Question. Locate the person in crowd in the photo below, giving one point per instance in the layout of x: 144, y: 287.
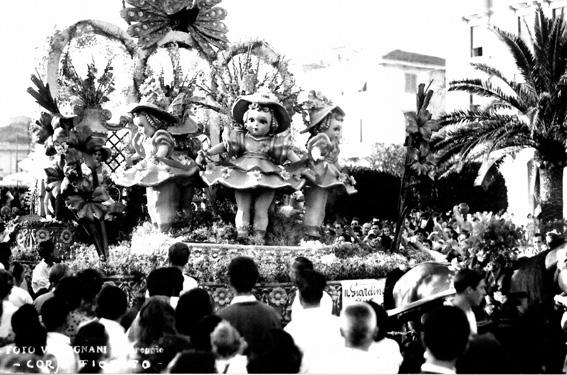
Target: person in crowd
x: 358, y: 329
x: 69, y: 291
x: 386, y: 239
x: 471, y: 290
x: 249, y: 316
x: 315, y: 330
x: 178, y: 256
x: 193, y: 362
x: 40, y: 273
x: 111, y: 304
x: 54, y: 314
x: 298, y: 267
x: 18, y: 296
x: 7, y: 309
x: 29, y: 334
x: 157, y: 330
x: 192, y: 307
x: 228, y: 346
x: 385, y: 348
x: 201, y: 336
x: 278, y: 355
x: 90, y: 337
x: 56, y: 274
x: 166, y: 282
x: 445, y: 336
x: 365, y: 229
x: 91, y: 281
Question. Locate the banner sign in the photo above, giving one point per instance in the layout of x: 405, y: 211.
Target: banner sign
x: 363, y: 290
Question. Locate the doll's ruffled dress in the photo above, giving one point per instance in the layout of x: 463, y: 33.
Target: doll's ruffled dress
x: 153, y: 171
x: 327, y: 174
x: 256, y: 163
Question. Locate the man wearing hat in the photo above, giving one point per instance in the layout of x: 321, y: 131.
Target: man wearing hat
x: 324, y: 123
x: 157, y: 170
x: 261, y: 145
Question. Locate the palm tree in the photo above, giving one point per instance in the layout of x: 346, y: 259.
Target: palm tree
x: 528, y: 114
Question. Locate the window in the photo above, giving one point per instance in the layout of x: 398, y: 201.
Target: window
x: 477, y: 40
x: 411, y: 82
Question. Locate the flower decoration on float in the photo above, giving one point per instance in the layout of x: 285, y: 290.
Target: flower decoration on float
x: 191, y: 23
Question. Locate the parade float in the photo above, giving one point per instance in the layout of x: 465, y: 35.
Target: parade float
x: 116, y: 192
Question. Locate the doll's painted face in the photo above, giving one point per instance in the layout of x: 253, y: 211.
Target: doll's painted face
x: 335, y: 127
x: 143, y: 125
x: 258, y: 122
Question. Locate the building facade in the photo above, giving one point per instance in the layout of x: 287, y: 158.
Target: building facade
x: 375, y: 91
x: 480, y: 45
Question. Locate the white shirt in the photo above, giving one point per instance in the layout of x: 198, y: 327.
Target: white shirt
x: 388, y: 352
x: 436, y: 369
x: 118, y: 344
x: 188, y: 284
x: 347, y: 361
x: 40, y: 276
x: 316, y: 332
x: 243, y: 299
x: 326, y: 304
x: 19, y: 297
x: 234, y: 365
x: 8, y: 309
x: 59, y: 346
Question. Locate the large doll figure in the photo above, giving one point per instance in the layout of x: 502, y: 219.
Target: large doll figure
x: 325, y: 126
x: 157, y: 169
x: 260, y: 148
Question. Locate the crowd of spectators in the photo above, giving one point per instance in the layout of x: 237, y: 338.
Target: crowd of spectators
x: 64, y: 322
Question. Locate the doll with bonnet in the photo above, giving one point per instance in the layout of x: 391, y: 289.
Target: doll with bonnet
x: 258, y: 147
x: 156, y: 169
x: 324, y: 124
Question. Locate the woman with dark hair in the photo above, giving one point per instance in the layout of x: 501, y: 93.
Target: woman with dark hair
x: 89, y: 339
x: 30, y: 335
x: 157, y: 330
x: 192, y: 307
x: 279, y: 354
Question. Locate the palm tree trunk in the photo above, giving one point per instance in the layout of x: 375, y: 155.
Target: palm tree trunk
x: 551, y: 194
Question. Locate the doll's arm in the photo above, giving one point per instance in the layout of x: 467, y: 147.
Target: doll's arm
x: 292, y: 156
x: 216, y: 149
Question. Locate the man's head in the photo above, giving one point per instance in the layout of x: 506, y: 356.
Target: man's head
x: 54, y: 314
x: 470, y: 284
x: 537, y: 240
x: 165, y: 281
x: 445, y: 333
x: 57, y: 272
x: 91, y: 283
x: 311, y: 285
x: 179, y: 254
x: 358, y: 325
x: 243, y: 274
x: 46, y: 251
x: 298, y: 266
x: 111, y: 303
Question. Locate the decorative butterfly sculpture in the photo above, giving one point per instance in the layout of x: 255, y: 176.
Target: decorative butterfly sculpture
x: 152, y: 20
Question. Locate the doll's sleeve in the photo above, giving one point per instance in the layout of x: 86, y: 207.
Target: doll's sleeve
x: 279, y: 146
x: 163, y: 138
x: 234, y: 142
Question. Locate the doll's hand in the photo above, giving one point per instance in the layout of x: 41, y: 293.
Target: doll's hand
x: 201, y: 159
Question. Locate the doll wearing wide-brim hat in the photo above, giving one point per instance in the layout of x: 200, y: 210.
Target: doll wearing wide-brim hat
x: 157, y: 170
x: 256, y: 168
x: 324, y: 154
x: 258, y: 160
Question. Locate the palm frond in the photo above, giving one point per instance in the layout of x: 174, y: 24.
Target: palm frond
x: 485, y: 89
x: 520, y: 51
x: 42, y: 95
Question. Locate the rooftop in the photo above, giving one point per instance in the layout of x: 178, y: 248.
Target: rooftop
x: 412, y: 57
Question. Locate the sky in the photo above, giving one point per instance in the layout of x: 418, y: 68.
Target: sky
x: 302, y: 30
